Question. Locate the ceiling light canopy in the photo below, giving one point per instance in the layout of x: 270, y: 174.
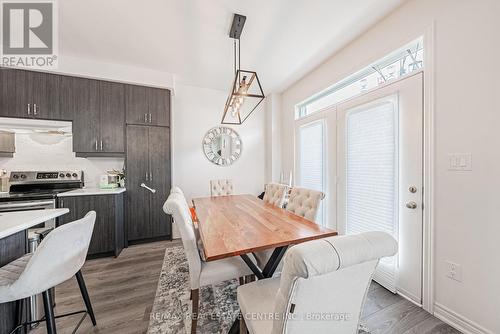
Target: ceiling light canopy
x: 246, y: 91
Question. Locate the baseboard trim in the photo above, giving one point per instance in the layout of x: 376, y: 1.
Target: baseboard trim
x: 458, y: 321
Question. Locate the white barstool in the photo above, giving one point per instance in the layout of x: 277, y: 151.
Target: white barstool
x: 60, y: 256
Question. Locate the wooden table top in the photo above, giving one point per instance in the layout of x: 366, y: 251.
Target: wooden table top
x: 240, y: 224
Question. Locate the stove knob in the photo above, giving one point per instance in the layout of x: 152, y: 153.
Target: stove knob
x: 61, y: 175
x: 68, y: 175
x: 23, y: 176
x: 75, y: 175
x: 15, y: 176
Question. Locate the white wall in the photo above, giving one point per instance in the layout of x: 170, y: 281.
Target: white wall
x: 33, y: 154
x: 467, y: 115
x: 195, y: 111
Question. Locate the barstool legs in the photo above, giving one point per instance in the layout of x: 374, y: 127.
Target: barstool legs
x: 49, y: 312
x: 85, y: 295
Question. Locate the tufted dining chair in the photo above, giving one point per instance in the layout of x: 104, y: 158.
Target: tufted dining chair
x: 201, y: 273
x: 305, y: 202
x: 325, y: 278
x: 302, y: 202
x: 275, y: 194
x: 221, y: 187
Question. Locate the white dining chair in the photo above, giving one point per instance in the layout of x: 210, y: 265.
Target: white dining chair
x: 201, y: 273
x: 305, y: 202
x: 221, y: 187
x: 275, y: 194
x: 322, y: 287
x: 60, y: 256
x: 302, y: 202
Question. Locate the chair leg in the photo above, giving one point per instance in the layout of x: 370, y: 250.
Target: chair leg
x: 243, y: 326
x: 85, y: 296
x: 195, y: 294
x: 49, y: 312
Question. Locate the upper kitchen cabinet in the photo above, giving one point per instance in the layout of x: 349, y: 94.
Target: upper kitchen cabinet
x: 98, y: 113
x: 112, y: 112
x: 147, y: 106
x: 28, y: 94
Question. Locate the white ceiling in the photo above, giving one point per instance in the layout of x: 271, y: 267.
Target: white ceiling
x: 282, y: 39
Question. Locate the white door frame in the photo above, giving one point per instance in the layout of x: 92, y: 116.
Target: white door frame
x: 428, y: 165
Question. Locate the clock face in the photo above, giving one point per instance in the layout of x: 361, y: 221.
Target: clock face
x: 222, y: 146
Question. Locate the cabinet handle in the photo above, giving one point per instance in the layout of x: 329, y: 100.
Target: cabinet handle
x: 96, y: 144
x: 150, y: 118
x: 150, y: 176
x: 101, y: 145
x: 145, y: 118
x: 62, y: 203
x: 34, y: 109
x: 147, y: 176
x: 29, y: 109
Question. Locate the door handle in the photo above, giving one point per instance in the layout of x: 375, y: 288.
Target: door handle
x: 411, y: 205
x: 29, y: 109
x: 101, y: 145
x: 34, y: 109
x: 145, y: 118
x: 146, y: 187
x: 150, y: 118
x: 96, y: 145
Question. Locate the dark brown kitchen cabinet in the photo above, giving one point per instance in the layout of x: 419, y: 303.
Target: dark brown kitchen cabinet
x: 28, y: 94
x: 147, y: 106
x: 98, y: 114
x: 80, y: 100
x: 11, y: 248
x: 108, y: 235
x: 148, y: 163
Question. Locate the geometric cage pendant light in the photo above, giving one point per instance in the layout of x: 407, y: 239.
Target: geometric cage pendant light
x: 246, y: 91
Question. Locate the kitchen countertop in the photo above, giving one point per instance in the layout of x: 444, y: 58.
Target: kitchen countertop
x: 13, y: 222
x: 91, y: 191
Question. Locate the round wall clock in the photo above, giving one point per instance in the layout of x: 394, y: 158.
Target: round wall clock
x: 222, y: 145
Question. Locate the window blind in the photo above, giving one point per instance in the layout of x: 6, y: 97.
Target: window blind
x: 312, y: 162
x: 372, y: 177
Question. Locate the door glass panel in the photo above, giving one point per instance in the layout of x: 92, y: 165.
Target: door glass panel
x: 312, y: 160
x: 372, y: 175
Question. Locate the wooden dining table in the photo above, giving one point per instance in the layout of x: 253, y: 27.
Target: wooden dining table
x: 237, y: 225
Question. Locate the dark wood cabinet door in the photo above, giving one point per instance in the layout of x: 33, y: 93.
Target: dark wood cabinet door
x: 44, y: 95
x: 103, y: 237
x: 80, y: 98
x: 138, y: 198
x: 15, y: 94
x: 159, y: 106
x: 136, y: 104
x: 112, y: 105
x: 159, y: 157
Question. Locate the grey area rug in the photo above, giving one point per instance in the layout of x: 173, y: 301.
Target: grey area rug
x: 172, y: 307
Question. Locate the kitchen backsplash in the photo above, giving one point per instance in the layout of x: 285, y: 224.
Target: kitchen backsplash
x: 52, y: 151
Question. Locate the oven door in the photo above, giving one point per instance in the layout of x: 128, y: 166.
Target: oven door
x: 42, y: 204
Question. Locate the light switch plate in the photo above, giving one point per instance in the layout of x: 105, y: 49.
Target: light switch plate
x: 460, y: 161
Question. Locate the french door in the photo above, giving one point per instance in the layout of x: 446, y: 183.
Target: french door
x: 379, y: 176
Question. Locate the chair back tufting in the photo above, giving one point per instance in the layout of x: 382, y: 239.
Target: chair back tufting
x: 275, y: 194
x: 221, y: 187
x: 324, y: 282
x: 305, y: 202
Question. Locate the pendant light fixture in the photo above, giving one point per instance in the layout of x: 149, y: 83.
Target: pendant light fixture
x: 246, y: 92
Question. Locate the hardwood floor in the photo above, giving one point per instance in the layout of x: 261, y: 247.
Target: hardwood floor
x: 122, y: 291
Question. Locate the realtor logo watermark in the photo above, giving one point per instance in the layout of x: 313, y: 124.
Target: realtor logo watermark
x: 29, y: 34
